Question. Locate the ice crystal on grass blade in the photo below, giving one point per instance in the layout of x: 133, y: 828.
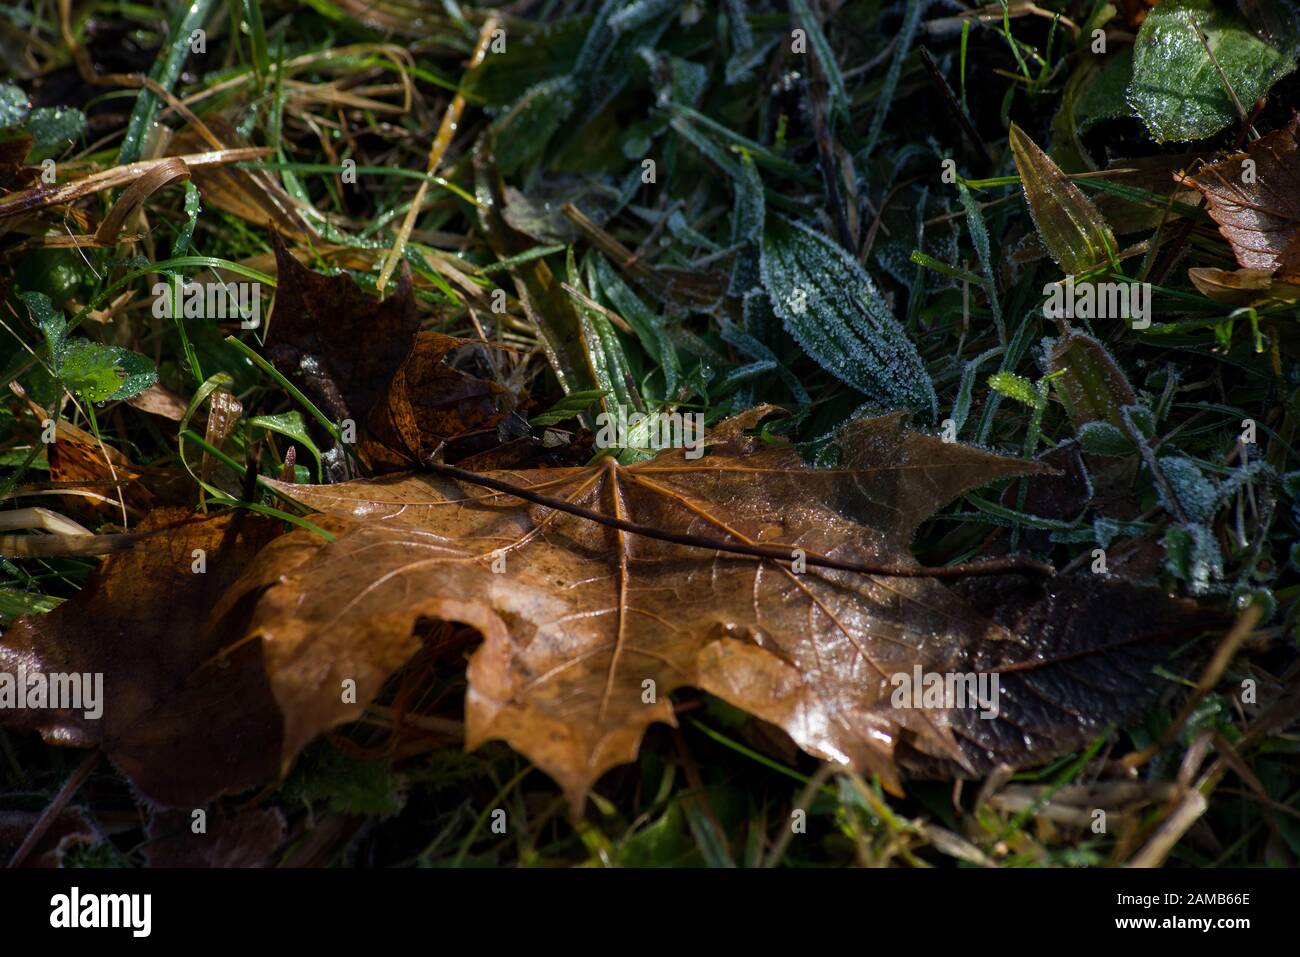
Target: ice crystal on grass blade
x: 831, y: 306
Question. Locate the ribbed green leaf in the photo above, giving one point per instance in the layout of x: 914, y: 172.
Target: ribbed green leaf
x: 830, y: 305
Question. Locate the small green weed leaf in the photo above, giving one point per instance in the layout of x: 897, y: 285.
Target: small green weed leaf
x: 571, y: 406
x: 14, y: 105
x: 99, y: 373
x: 1014, y: 387
x: 291, y: 425
x: 54, y: 129
x: 1102, y: 438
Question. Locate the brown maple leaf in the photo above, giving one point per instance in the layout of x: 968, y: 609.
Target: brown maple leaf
x: 587, y: 628
x: 591, y: 618
x: 1255, y: 198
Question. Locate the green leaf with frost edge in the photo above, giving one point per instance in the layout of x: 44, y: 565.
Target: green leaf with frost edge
x: 833, y: 309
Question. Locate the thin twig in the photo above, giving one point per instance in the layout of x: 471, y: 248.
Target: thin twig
x: 954, y: 107
x: 55, y: 807
x: 1209, y: 678
x: 786, y: 553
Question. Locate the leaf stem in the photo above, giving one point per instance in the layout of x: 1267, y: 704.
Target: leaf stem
x: 994, y: 566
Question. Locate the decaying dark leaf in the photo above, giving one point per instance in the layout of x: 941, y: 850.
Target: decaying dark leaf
x: 247, y: 838
x: 70, y: 829
x: 1255, y: 198
x: 364, y: 360
x: 429, y: 401
x: 1060, y: 495
x: 337, y: 344
x: 14, y: 146
x: 1083, y: 660
x: 183, y: 724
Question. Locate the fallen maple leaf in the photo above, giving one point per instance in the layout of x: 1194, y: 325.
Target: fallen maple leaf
x: 1255, y: 198
x: 588, y: 628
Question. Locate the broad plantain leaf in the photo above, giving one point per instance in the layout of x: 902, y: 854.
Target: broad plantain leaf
x: 831, y: 306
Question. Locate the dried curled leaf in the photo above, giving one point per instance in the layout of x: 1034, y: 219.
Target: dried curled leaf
x: 1075, y: 234
x: 429, y: 401
x: 1242, y: 287
x: 1255, y: 198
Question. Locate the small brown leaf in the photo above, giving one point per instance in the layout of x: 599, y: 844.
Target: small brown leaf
x: 428, y: 402
x: 1255, y: 198
x: 1242, y: 287
x: 362, y: 359
x: 14, y: 146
